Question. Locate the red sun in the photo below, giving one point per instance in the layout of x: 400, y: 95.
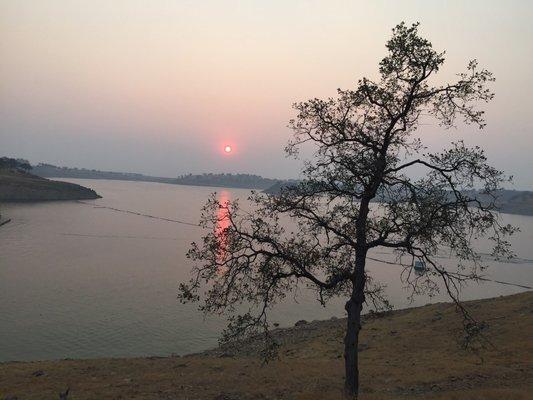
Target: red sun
x: 227, y: 148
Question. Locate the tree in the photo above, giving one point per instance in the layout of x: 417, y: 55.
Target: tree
x: 357, y: 195
x: 12, y: 163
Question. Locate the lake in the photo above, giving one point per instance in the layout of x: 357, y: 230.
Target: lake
x: 85, y: 280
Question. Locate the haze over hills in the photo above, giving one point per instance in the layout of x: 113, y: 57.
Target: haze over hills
x: 509, y: 201
x: 323, y: 188
x: 243, y: 181
x: 53, y: 171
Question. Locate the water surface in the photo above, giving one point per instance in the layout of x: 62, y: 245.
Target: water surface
x: 81, y: 280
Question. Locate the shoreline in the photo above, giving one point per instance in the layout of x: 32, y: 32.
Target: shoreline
x: 528, y: 214
x: 280, y: 332
x: 18, y: 186
x: 407, y: 353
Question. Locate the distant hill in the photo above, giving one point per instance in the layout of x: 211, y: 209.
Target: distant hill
x: 243, y: 181
x: 277, y: 187
x: 14, y: 163
x: 17, y: 185
x: 516, y: 202
x: 508, y: 201
x: 52, y: 171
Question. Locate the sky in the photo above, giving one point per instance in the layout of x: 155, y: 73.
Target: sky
x: 160, y: 87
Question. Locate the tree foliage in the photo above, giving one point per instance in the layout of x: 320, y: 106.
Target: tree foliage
x: 15, y: 163
x: 358, y: 194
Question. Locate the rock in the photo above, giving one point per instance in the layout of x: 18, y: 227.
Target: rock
x: 301, y: 322
x: 437, y: 317
x: 363, y: 347
x: 224, y: 396
x: 64, y: 395
x: 435, y: 388
x: 39, y: 372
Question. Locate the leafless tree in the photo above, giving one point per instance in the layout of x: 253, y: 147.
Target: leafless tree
x: 357, y: 194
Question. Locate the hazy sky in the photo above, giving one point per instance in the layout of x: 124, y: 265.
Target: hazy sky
x: 159, y: 87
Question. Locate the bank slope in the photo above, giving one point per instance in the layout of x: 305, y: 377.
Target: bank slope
x: 406, y: 354
x: 20, y: 186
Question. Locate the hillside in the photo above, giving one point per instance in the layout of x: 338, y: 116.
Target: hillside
x: 242, y: 181
x: 406, y: 354
x: 508, y: 201
x: 20, y: 186
x: 517, y: 202
x: 277, y: 187
x: 52, y: 171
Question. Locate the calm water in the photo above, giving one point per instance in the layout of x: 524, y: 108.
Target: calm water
x: 80, y: 281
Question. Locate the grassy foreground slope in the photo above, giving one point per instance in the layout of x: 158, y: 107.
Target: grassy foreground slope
x: 20, y: 186
x: 405, y: 354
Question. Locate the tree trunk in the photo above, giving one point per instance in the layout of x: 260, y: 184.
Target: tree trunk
x: 355, y: 304
x: 351, y: 341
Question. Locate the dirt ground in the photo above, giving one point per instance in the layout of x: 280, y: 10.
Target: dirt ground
x: 405, y: 354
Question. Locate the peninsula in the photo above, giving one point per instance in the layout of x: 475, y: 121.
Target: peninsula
x: 17, y: 185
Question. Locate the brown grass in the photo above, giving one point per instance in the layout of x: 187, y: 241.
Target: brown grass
x: 407, y: 354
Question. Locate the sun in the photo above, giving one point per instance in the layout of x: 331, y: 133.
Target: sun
x: 227, y: 148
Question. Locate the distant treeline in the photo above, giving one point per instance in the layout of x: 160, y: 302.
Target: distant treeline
x: 507, y: 201
x: 245, y: 181
x: 514, y: 202
x: 52, y: 171
x: 15, y: 163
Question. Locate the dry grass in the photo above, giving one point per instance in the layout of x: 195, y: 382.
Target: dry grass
x: 407, y: 354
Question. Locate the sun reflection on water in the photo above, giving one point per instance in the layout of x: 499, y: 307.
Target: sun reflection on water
x: 221, y: 227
